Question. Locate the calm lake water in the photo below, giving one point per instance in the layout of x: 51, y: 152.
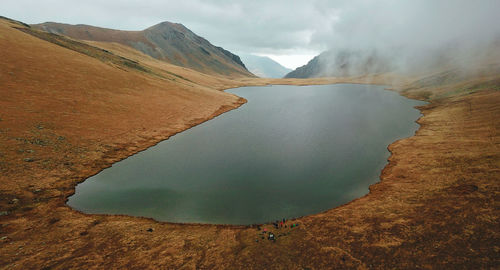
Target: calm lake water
x: 290, y: 151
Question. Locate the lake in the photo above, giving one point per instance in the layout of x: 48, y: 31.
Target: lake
x: 290, y: 151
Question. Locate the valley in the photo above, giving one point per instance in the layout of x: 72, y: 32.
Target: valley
x: 71, y: 108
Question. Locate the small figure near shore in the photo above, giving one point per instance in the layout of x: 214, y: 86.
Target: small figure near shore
x: 275, y: 224
x: 271, y: 237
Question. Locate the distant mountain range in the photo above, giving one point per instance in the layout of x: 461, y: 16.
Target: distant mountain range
x: 263, y: 66
x: 408, y: 61
x: 343, y: 63
x: 170, y: 42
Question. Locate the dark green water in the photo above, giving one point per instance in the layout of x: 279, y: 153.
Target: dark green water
x: 290, y: 151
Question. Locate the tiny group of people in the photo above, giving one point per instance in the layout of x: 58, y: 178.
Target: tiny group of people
x: 270, y: 235
x: 280, y: 224
x: 277, y: 225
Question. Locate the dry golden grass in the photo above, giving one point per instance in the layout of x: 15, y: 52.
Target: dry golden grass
x: 65, y: 116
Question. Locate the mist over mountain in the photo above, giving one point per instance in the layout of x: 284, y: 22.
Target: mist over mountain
x: 343, y: 63
x: 406, y: 37
x: 404, y: 61
x: 170, y: 42
x: 263, y: 66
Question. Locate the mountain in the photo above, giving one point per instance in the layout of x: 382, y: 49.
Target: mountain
x: 406, y: 61
x: 264, y: 66
x: 169, y: 42
x: 343, y: 63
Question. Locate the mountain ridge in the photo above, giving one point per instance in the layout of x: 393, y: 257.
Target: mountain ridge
x: 264, y: 66
x: 343, y: 63
x: 409, y: 62
x: 170, y: 42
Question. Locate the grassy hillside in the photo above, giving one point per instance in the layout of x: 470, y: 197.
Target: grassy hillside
x: 54, y: 87
x: 166, y: 41
x: 71, y: 108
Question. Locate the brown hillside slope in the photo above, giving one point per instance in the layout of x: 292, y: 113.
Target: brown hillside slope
x: 189, y: 77
x: 192, y: 78
x: 169, y: 42
x: 65, y: 115
x: 53, y: 97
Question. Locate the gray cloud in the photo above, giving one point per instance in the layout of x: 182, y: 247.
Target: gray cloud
x: 263, y: 26
x: 414, y: 23
x: 419, y: 35
x: 284, y: 26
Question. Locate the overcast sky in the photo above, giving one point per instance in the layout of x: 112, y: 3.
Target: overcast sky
x: 291, y: 32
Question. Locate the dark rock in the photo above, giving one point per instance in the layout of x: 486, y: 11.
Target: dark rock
x: 231, y: 56
x: 150, y: 230
x: 14, y: 201
x: 463, y: 189
x: 39, y: 142
x: 53, y: 220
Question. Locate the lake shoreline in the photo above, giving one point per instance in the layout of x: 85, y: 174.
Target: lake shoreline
x: 274, y: 121
x: 350, y: 235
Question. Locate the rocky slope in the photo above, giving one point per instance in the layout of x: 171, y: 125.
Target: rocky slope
x: 170, y: 42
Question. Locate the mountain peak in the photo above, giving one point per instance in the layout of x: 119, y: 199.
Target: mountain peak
x: 166, y: 41
x: 170, y: 25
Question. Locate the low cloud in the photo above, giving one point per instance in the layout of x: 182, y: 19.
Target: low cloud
x: 283, y: 27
